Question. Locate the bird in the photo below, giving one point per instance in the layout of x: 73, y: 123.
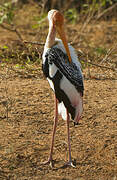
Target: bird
x: 63, y: 71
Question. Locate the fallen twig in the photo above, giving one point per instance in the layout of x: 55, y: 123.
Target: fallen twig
x: 18, y: 34
x: 94, y: 64
x: 36, y: 43
x: 13, y: 29
x: 88, y: 19
x: 106, y: 67
x: 108, y: 53
x: 106, y: 10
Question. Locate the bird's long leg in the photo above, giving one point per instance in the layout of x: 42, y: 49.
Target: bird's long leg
x: 53, y: 134
x: 54, y: 128
x: 69, y: 145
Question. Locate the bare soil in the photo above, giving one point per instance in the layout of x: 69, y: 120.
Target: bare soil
x: 27, y: 113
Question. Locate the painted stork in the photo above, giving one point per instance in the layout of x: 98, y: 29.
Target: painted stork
x: 63, y: 71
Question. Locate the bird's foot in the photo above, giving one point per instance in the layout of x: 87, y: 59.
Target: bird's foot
x: 49, y: 161
x: 70, y: 163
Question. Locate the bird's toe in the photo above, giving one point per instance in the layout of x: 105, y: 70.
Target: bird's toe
x: 70, y: 163
x: 48, y: 162
x: 76, y: 123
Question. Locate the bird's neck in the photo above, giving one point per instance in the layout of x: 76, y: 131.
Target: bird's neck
x: 50, y: 41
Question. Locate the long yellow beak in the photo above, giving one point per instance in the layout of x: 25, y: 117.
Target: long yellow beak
x: 61, y: 33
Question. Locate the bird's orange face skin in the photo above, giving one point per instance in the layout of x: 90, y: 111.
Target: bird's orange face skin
x: 58, y: 21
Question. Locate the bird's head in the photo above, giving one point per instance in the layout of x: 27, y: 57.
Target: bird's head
x: 56, y: 17
x: 57, y: 20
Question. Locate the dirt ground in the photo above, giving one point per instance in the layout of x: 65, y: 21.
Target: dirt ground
x: 26, y: 134
x: 27, y: 113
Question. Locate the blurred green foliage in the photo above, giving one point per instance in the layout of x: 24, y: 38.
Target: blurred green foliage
x: 6, y: 13
x: 40, y: 20
x: 72, y: 15
x: 100, y: 51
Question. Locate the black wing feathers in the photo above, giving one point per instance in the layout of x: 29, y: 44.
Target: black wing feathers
x: 69, y: 70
